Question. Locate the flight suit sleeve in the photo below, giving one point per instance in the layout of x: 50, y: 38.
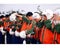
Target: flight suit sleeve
x: 31, y: 31
x: 57, y: 28
x: 25, y: 19
x: 48, y: 24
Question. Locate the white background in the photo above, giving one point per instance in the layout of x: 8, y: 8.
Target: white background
x: 30, y: 2
x: 27, y: 7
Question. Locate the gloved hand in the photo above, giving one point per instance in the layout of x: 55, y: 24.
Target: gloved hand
x: 22, y: 34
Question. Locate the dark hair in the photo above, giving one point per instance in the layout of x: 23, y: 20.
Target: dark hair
x: 29, y: 14
x: 13, y: 12
x: 1, y: 16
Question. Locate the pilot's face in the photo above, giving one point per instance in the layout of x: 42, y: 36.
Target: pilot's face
x: 44, y: 17
x: 30, y: 17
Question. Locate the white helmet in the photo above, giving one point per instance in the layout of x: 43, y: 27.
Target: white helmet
x: 22, y: 11
x: 13, y: 17
x: 48, y: 13
x: 36, y: 16
x: 57, y: 12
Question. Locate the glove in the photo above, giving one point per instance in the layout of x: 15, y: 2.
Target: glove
x: 16, y: 33
x: 22, y: 34
x: 2, y: 31
x: 11, y: 32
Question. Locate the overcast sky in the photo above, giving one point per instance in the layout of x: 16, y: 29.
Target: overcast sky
x: 27, y: 7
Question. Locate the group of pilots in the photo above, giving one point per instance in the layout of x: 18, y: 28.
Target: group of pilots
x: 30, y: 28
